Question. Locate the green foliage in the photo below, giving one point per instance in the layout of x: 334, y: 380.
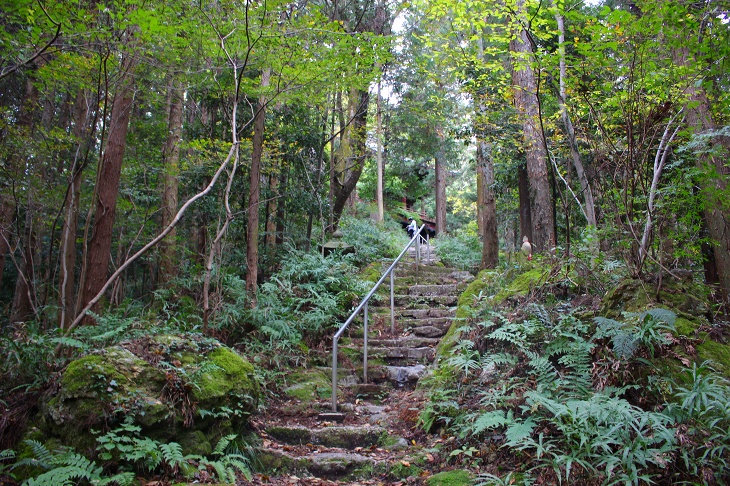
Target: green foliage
x: 67, y: 468
x: 372, y: 242
x: 308, y: 296
x: 462, y: 251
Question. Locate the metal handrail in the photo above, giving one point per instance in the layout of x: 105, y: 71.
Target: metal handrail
x: 364, y: 305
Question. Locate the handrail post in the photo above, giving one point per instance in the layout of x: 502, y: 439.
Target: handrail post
x: 334, y: 374
x: 392, y: 301
x: 365, y: 345
x: 428, y: 248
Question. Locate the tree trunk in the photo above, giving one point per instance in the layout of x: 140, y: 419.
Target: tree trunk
x: 585, y: 187
x: 440, y: 180
x: 487, y: 200
x: 523, y: 186
x: 717, y: 211
x: 379, y: 145
x: 272, y: 204
x: 352, y: 154
x: 171, y: 167
x: 99, y: 255
x: 526, y: 103
x: 252, y: 235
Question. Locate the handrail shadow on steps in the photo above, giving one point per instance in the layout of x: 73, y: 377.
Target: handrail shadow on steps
x: 364, y: 305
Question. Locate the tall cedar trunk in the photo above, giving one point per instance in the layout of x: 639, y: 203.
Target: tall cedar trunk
x: 526, y: 103
x: 523, y: 187
x: 440, y: 170
x: 171, y: 167
x: 22, y: 306
x: 354, y: 146
x: 252, y: 235
x: 107, y: 190
x: 485, y: 186
x: 717, y: 211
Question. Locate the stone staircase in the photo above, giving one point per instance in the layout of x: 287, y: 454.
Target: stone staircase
x: 373, y: 439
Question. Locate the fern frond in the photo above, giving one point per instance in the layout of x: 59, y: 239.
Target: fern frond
x: 172, y: 454
x: 663, y: 315
x: 220, y: 447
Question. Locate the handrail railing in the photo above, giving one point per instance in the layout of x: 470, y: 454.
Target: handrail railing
x: 364, y: 305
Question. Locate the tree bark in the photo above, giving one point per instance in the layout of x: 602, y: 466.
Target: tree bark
x: 171, y: 167
x: 351, y: 156
x: 252, y: 235
x: 107, y: 191
x: 526, y: 103
x: 379, y: 144
x: 487, y: 200
x: 440, y: 181
x: 523, y: 187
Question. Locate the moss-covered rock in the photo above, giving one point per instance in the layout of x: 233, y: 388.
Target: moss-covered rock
x: 452, y: 478
x: 523, y: 284
x: 185, y: 389
x: 633, y: 295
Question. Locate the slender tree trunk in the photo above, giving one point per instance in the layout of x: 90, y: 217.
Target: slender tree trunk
x: 7, y: 209
x: 526, y: 103
x: 585, y: 187
x: 271, y: 207
x: 252, y: 236
x: 100, y: 244
x: 171, y: 166
x: 440, y: 176
x: 379, y: 144
x: 280, y: 211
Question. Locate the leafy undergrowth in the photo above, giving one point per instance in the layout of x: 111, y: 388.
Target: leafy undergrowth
x: 539, y: 389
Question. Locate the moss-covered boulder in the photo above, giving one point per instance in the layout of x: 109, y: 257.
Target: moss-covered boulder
x: 187, y: 389
x: 633, y: 295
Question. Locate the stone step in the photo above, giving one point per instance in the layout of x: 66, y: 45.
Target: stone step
x: 399, y: 342
x: 336, y: 466
x: 431, y: 331
x: 342, y: 437
x: 418, y: 301
x: 399, y: 355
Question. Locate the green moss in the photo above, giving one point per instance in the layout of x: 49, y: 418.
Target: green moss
x: 90, y: 375
x: 195, y: 442
x: 685, y: 327
x: 371, y: 273
x: 716, y: 352
x: 483, y: 281
x: 404, y: 469
x: 232, y: 373
x: 451, y: 478
x: 523, y: 284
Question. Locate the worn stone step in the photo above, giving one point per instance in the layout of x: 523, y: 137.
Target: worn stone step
x: 432, y: 332
x: 336, y: 466
x: 390, y: 354
x: 342, y: 437
x: 433, y: 290
x: 400, y: 342
x: 419, y: 301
